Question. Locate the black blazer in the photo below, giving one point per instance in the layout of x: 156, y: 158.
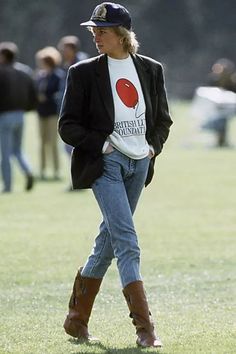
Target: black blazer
x: 87, y: 114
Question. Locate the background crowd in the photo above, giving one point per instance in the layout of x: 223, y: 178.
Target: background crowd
x: 41, y: 89
x: 23, y: 89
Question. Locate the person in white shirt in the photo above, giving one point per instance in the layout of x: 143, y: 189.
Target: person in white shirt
x: 115, y: 114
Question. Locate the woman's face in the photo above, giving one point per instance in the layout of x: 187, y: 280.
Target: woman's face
x: 108, y: 42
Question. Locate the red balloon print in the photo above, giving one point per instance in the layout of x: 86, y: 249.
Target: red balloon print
x: 127, y: 92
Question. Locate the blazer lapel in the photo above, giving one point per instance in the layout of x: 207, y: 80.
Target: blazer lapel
x: 103, y: 82
x: 145, y: 81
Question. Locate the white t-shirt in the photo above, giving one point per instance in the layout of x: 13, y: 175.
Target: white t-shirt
x: 130, y: 122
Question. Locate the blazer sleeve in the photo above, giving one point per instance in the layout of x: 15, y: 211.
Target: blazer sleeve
x: 162, y: 118
x: 73, y: 125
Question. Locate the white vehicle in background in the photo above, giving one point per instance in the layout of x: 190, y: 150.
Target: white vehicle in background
x: 212, y: 108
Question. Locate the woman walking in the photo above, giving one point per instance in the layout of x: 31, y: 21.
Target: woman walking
x: 115, y: 114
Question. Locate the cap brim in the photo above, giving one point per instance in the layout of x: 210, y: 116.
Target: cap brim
x: 99, y: 24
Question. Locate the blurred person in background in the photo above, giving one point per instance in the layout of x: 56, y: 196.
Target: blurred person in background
x: 48, y: 80
x: 17, y: 95
x: 222, y: 75
x: 115, y: 115
x: 70, y: 49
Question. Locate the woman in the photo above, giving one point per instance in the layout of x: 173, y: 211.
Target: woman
x: 115, y: 114
x: 48, y: 80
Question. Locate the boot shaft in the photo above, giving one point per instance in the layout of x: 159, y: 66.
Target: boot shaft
x: 138, y: 305
x: 84, y: 293
x: 139, y: 311
x: 80, y: 305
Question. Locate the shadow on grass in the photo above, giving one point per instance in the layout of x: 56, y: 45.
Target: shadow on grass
x: 108, y: 350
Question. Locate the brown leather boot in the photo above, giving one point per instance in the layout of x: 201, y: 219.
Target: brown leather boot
x: 137, y: 302
x: 80, y: 306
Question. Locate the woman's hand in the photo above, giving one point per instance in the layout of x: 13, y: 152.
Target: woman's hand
x: 151, y: 152
x: 109, y: 149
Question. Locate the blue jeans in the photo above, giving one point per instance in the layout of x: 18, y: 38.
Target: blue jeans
x: 117, y: 192
x: 11, y: 130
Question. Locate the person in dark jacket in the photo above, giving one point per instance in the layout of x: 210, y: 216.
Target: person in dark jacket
x: 115, y: 114
x: 48, y: 79
x: 17, y: 95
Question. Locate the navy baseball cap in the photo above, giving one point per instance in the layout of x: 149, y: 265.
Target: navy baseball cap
x: 109, y: 14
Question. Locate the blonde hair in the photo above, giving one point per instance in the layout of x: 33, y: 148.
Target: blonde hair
x: 50, y: 55
x: 130, y: 43
x: 129, y: 40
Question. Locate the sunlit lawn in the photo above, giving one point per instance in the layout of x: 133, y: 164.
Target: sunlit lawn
x: 186, y: 223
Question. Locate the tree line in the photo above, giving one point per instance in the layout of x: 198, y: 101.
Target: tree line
x: 187, y: 36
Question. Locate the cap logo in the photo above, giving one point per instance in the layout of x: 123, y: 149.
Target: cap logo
x: 100, y: 14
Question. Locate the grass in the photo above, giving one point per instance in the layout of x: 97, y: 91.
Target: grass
x: 186, y: 225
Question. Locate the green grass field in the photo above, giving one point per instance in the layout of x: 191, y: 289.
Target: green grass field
x: 186, y: 222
